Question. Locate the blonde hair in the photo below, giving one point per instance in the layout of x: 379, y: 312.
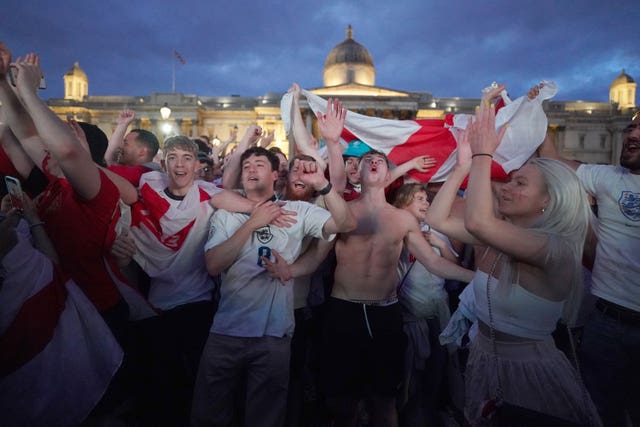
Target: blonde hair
x: 565, y: 221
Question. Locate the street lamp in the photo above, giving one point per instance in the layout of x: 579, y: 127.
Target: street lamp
x: 165, y: 111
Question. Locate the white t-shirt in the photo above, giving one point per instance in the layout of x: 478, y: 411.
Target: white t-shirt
x: 252, y: 303
x: 616, y: 271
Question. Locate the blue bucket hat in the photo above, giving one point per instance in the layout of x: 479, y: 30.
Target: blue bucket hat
x: 356, y: 148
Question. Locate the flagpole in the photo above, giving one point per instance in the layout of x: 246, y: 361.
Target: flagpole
x: 173, y: 72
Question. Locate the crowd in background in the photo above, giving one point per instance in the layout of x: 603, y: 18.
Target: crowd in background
x: 187, y: 283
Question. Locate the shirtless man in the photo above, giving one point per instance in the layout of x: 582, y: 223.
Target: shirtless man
x: 362, y: 332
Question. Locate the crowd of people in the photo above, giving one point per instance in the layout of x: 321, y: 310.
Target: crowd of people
x: 187, y: 283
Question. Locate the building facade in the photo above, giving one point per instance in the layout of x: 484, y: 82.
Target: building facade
x: 586, y: 131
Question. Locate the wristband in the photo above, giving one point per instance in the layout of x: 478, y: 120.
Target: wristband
x: 35, y: 224
x: 326, y: 189
x: 482, y: 154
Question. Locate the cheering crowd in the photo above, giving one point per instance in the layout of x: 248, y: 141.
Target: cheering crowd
x: 196, y: 285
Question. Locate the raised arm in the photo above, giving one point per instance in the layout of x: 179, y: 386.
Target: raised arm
x: 301, y: 136
x: 480, y: 217
x: 418, y: 246
x: 420, y: 163
x: 115, y: 142
x: 15, y: 115
x: 232, y: 171
x: 11, y: 146
x: 331, y: 125
x: 342, y: 219
x: 548, y: 148
x: 128, y: 193
x: 74, y: 160
x: 216, y: 150
x: 439, y: 214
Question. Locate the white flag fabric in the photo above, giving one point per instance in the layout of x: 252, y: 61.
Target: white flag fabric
x: 402, y: 140
x: 57, y: 355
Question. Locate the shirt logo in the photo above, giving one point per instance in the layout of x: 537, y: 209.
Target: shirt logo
x: 264, y: 234
x: 629, y: 203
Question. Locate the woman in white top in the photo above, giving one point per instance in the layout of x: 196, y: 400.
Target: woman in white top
x: 529, y: 276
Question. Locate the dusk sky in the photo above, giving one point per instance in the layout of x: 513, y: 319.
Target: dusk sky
x: 449, y: 48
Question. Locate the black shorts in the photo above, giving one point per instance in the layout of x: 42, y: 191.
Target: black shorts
x: 362, y: 349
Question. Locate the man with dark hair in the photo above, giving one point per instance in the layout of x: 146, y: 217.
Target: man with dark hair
x: 205, y: 172
x: 132, y: 155
x: 251, y: 332
x: 97, y: 141
x: 611, y: 338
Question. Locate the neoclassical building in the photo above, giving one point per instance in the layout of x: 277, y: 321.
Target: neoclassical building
x: 586, y: 131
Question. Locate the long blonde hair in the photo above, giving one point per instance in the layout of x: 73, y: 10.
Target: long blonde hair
x: 565, y: 221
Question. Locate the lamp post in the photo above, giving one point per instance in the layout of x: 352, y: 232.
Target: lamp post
x: 165, y: 113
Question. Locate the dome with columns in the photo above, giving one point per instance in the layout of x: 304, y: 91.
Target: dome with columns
x: 349, y: 62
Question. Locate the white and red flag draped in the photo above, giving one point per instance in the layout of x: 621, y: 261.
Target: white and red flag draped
x: 170, y: 239
x: 402, y: 140
x: 57, y: 355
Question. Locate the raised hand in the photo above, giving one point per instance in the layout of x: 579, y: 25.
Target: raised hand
x: 267, y: 138
x: 423, y: 163
x: 310, y: 174
x: 535, y: 91
x: 332, y: 123
x: 492, y: 92
x: 251, y: 137
x: 482, y: 136
x: 126, y: 117
x: 295, y: 90
x: 27, y: 73
x: 463, y: 153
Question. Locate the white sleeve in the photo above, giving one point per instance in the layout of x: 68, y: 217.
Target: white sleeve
x: 218, y: 232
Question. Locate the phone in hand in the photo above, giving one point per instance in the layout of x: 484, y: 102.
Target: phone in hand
x: 13, y: 76
x: 15, y: 192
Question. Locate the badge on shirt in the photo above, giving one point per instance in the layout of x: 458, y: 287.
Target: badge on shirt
x: 264, y: 234
x: 630, y: 205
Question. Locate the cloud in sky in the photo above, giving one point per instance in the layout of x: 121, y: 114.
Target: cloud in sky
x: 249, y: 48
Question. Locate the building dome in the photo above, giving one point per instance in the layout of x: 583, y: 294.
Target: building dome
x: 623, y: 78
x: 349, y: 51
x: 349, y: 62
x: 76, y: 71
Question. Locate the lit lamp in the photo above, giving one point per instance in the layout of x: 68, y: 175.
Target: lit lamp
x: 165, y: 111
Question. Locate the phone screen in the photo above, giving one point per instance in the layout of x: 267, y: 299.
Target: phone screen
x: 15, y: 192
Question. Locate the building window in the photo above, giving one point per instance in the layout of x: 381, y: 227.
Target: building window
x: 603, y: 141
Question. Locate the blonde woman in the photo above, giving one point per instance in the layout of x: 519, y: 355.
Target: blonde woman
x: 528, y: 277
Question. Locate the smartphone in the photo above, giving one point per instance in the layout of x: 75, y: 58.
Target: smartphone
x: 13, y: 76
x: 15, y: 192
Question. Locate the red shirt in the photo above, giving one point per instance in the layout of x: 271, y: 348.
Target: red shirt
x: 130, y: 173
x: 82, y: 234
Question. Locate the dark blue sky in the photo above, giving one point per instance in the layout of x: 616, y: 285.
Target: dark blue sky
x: 452, y: 48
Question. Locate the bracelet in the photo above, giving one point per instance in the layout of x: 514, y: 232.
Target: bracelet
x: 326, y: 189
x: 35, y: 224
x: 482, y: 154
